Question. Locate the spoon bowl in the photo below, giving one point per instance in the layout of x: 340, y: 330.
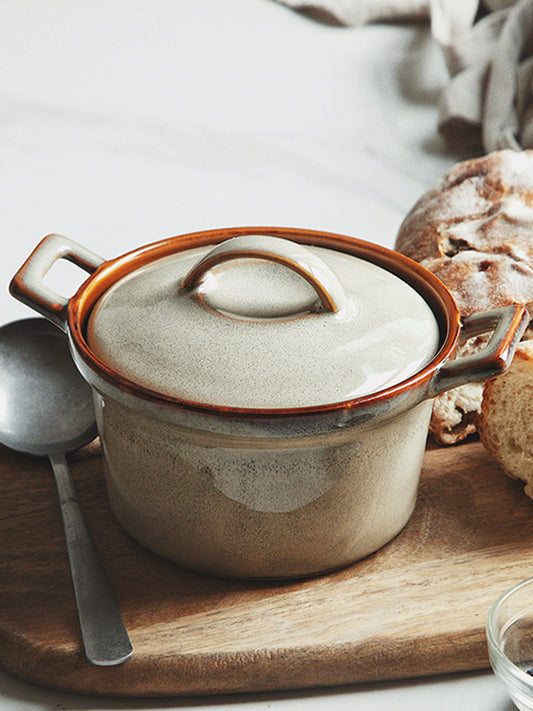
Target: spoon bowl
x: 46, y: 409
x: 46, y: 406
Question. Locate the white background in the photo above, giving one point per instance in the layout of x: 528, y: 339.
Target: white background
x: 122, y: 123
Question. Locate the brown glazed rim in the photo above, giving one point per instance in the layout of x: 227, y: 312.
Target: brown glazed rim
x: 431, y: 289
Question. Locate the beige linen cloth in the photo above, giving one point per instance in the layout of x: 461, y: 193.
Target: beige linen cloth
x: 488, y: 49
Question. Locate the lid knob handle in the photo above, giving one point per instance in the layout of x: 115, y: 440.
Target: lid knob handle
x: 282, y: 251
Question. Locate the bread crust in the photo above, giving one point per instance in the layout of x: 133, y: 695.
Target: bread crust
x: 505, y: 424
x: 474, y: 231
x: 483, y: 205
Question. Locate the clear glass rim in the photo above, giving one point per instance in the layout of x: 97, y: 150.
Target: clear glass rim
x: 502, y: 665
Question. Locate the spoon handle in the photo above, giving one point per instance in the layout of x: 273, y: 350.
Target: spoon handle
x: 104, y: 635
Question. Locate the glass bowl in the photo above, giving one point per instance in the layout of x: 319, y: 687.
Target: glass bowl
x: 510, y: 642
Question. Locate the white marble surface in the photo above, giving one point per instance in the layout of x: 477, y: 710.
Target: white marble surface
x: 123, y: 123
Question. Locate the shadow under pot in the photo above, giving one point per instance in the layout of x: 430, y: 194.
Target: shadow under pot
x: 263, y: 395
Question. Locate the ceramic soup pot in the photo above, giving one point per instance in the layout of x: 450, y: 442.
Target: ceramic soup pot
x: 263, y: 395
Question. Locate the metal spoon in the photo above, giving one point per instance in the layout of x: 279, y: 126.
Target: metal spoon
x: 46, y: 409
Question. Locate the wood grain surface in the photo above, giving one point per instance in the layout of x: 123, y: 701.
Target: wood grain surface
x: 416, y: 607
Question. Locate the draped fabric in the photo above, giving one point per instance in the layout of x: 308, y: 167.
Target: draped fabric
x: 488, y: 49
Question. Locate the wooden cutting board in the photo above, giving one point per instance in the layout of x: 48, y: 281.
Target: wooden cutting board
x: 416, y: 607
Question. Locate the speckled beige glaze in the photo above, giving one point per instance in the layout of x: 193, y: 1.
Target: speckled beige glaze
x: 269, y: 507
x: 235, y: 353
x: 262, y: 506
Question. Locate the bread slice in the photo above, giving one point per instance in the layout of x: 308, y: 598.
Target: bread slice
x: 505, y: 425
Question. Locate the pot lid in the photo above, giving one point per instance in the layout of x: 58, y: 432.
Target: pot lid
x: 260, y: 322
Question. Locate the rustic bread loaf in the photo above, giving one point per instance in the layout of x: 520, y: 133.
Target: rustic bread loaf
x: 506, y: 421
x: 474, y: 231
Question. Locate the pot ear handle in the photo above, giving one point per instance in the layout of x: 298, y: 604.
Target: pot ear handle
x: 28, y: 283
x: 508, y: 324
x: 274, y: 249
